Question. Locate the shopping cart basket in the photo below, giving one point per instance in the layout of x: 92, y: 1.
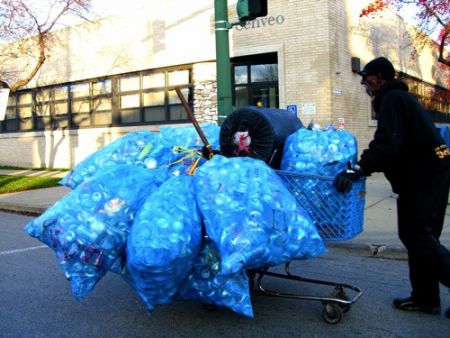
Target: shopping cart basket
x: 337, y: 216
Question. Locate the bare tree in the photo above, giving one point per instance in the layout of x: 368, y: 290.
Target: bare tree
x: 26, y: 28
x: 432, y: 16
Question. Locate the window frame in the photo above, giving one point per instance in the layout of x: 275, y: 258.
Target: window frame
x: 91, y: 117
x: 168, y: 107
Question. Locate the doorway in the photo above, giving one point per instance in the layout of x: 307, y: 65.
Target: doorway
x: 255, y: 81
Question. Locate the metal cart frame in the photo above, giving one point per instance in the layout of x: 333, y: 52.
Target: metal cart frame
x: 334, y: 305
x: 311, y: 192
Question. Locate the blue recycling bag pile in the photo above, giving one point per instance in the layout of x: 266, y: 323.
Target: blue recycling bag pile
x: 134, y: 210
x: 323, y: 152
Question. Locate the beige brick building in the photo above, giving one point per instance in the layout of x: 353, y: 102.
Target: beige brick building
x: 118, y: 75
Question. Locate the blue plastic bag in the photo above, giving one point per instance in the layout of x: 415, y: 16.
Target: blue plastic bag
x: 88, y: 228
x: 142, y: 148
x: 251, y: 216
x: 187, y: 136
x: 174, y: 148
x: 206, y: 284
x: 164, y: 241
x: 324, y: 152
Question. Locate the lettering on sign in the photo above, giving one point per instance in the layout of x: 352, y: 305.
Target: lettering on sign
x: 262, y: 22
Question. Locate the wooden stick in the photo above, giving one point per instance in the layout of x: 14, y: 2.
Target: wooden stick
x: 193, y: 120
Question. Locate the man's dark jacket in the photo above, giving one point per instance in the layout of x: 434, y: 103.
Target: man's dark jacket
x: 407, y: 146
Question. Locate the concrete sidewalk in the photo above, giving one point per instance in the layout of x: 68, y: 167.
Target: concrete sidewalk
x: 379, y: 237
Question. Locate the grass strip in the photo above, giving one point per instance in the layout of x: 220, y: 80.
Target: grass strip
x: 7, y: 167
x: 13, y: 183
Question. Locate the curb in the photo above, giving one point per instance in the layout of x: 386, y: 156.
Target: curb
x: 22, y: 210
x: 362, y: 249
x: 370, y: 250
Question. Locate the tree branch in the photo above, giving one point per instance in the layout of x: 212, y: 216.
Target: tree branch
x: 444, y: 37
x: 40, y: 61
x: 22, y: 22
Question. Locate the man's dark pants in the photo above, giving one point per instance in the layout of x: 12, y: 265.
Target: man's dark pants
x: 421, y: 211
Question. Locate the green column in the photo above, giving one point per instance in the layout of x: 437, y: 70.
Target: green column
x: 222, y: 26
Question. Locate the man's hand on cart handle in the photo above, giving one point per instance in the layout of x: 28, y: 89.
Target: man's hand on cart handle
x: 344, y: 180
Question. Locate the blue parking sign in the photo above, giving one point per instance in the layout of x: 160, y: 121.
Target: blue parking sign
x: 292, y: 108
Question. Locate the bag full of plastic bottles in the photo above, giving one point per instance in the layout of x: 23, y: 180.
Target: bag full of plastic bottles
x: 88, y: 227
x: 251, y: 216
x: 324, y: 152
x: 173, y: 147
x: 187, y: 136
x: 141, y: 148
x: 164, y: 241
x: 312, y: 157
x: 205, y: 283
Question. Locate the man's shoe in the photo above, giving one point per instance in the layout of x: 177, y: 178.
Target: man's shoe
x: 409, y: 304
x: 447, y: 313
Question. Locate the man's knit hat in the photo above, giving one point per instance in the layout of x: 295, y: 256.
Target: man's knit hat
x: 379, y: 66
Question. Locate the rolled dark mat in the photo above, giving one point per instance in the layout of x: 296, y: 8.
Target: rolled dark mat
x: 257, y: 132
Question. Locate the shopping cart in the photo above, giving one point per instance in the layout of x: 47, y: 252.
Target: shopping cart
x: 337, y: 216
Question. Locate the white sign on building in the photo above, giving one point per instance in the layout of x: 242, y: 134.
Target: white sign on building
x: 4, y: 93
x: 308, y: 108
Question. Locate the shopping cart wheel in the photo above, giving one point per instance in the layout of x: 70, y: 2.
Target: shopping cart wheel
x: 332, y: 313
x: 344, y: 307
x: 339, y: 293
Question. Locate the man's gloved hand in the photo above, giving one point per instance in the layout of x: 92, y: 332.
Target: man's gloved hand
x: 344, y: 180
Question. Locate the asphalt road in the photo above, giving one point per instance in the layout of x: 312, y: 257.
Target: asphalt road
x: 36, y: 301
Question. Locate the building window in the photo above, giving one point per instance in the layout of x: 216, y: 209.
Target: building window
x: 151, y: 97
x: 25, y: 111
x: 91, y: 103
x: 10, y: 122
x: 137, y: 98
x: 255, y: 81
x: 130, y: 102
x: 43, y: 111
x: 435, y: 99
x: 101, y: 102
x: 178, y: 78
